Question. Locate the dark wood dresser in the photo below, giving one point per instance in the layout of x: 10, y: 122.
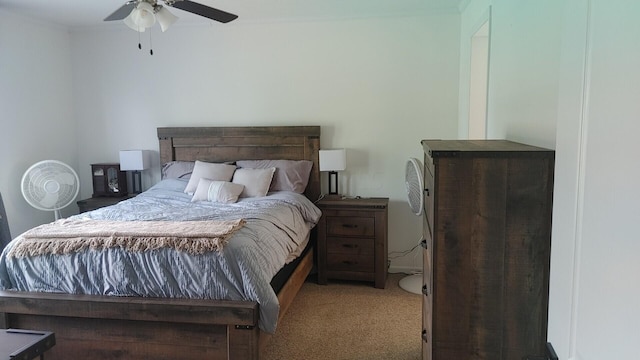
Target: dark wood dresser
x: 487, y: 230
x: 352, y: 240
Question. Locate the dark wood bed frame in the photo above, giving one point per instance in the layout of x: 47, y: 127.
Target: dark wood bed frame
x: 105, y: 327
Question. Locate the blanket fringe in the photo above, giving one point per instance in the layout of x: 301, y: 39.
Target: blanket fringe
x: 34, y: 246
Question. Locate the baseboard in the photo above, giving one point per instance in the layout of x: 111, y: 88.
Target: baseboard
x: 404, y: 269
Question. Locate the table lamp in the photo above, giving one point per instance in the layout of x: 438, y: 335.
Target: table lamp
x: 135, y: 161
x: 333, y: 160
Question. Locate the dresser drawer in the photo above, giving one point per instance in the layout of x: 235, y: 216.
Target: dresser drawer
x: 429, y: 195
x: 427, y: 288
x: 352, y: 246
x: 427, y: 270
x: 351, y: 226
x: 427, y: 294
x: 348, y: 262
x: 427, y: 330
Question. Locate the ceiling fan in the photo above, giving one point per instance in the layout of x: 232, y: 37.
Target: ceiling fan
x: 142, y: 14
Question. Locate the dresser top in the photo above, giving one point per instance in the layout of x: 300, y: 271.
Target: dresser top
x: 488, y: 148
x: 371, y: 203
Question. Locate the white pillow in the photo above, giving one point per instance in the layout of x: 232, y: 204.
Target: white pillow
x: 211, y: 171
x: 217, y: 191
x: 256, y: 181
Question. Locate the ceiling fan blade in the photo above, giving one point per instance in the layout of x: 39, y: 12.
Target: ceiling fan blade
x: 122, y: 12
x: 203, y: 10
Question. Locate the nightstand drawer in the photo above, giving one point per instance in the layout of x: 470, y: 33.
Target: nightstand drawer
x: 352, y: 246
x: 351, y: 226
x: 347, y: 262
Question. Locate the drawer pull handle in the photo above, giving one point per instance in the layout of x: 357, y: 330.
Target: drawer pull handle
x: 423, y: 243
x: 350, y: 226
x: 425, y: 336
x: 426, y: 192
x: 347, y: 262
x: 350, y: 246
x: 425, y: 290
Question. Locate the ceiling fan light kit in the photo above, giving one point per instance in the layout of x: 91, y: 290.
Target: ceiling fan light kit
x: 165, y: 18
x: 141, y: 18
x: 140, y: 15
x: 145, y: 15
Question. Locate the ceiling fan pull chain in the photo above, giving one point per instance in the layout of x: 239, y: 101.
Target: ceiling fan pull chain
x: 150, y: 44
x: 139, y: 42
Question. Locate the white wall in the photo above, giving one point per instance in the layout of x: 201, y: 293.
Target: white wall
x: 605, y: 304
x: 568, y: 168
x: 376, y: 86
x: 564, y: 75
x: 478, y: 85
x: 36, y: 112
x: 523, y: 70
x: 475, y: 13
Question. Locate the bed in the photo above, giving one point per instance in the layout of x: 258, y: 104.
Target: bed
x: 117, y: 327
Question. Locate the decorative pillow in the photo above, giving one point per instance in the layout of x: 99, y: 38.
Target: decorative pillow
x: 211, y: 171
x: 290, y: 175
x: 217, y: 191
x: 256, y: 181
x: 177, y: 170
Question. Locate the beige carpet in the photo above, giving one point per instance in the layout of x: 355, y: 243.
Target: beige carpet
x: 350, y: 321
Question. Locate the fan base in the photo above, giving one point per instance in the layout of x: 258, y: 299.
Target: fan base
x: 412, y: 283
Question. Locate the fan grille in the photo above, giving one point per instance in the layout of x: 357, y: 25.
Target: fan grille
x: 50, y: 185
x: 415, y: 185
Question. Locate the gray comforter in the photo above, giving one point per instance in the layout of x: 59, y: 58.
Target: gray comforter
x: 278, y: 225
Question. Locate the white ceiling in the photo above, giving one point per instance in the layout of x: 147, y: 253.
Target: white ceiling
x: 82, y: 13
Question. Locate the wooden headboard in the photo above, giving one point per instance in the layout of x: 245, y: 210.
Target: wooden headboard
x: 219, y: 144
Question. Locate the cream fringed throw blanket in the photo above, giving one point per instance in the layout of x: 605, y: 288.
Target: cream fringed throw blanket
x: 67, y: 236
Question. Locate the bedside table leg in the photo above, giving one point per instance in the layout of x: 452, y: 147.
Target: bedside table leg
x: 322, y: 277
x: 322, y: 250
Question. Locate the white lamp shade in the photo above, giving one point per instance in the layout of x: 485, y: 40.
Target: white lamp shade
x: 135, y: 159
x: 129, y: 22
x: 333, y: 160
x: 165, y: 18
x: 143, y: 15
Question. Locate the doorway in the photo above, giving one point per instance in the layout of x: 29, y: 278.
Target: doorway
x: 478, y: 82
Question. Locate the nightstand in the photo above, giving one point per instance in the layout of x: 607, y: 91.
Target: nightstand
x: 352, y: 240
x: 98, y: 202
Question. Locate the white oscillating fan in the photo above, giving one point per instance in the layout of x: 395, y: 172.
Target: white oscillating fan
x: 414, y: 182
x: 50, y: 185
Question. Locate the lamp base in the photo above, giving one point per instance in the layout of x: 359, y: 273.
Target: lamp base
x: 333, y: 183
x: 136, y: 181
